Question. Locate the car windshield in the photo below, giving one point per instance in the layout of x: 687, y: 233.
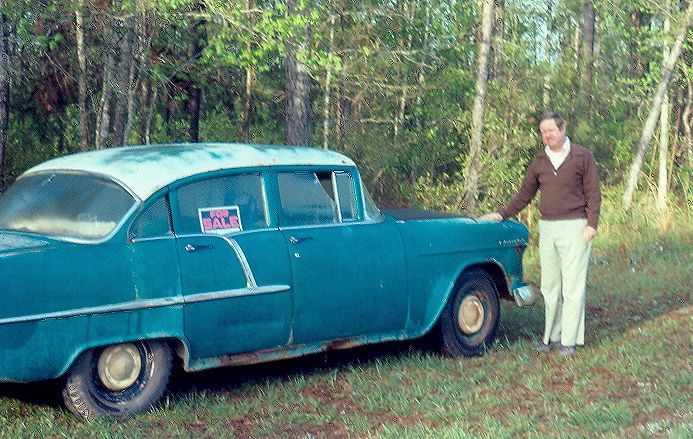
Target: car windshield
x: 64, y: 205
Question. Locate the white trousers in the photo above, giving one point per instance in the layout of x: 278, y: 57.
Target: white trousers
x: 564, y: 256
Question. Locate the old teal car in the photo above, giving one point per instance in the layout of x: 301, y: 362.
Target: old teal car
x: 116, y: 264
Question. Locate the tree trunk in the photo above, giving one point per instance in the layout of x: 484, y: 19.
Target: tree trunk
x: 146, y: 78
x: 473, y: 165
x: 248, y: 99
x: 297, y: 89
x: 328, y: 82
x: 639, y: 20
x: 4, y: 93
x: 548, y: 48
x: 664, y: 127
x: 194, y: 100
x: 81, y: 78
x: 123, y: 84
x: 408, y: 13
x: 686, y: 121
x: 587, y: 56
x: 194, y: 92
x: 338, y: 114
x: 651, y: 121
x: 497, y: 41
x: 425, y: 49
x: 576, y: 50
x: 103, y: 122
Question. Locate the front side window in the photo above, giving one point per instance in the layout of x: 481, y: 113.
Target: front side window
x: 370, y: 208
x: 347, y: 198
x: 307, y: 198
x: 311, y: 198
x: 64, y: 205
x: 222, y: 205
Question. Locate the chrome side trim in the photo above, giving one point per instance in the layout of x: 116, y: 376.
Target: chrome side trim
x: 336, y: 197
x: 240, y: 255
x: 238, y: 292
x: 135, y: 305
x: 249, y: 277
x: 154, y: 238
x: 103, y: 309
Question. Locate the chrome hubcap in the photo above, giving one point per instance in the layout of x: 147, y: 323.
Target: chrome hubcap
x: 119, y: 366
x: 471, y: 314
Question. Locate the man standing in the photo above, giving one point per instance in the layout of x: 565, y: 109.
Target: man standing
x: 566, y: 176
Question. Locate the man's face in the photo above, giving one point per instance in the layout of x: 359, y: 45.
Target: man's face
x: 551, y: 135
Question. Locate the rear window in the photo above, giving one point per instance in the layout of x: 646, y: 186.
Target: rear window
x: 64, y: 205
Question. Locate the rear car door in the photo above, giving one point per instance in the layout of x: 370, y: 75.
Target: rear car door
x: 348, y: 272
x: 235, y: 273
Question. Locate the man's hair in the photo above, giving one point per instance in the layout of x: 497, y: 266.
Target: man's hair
x: 560, y: 123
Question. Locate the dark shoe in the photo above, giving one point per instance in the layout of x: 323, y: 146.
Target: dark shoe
x: 566, y: 351
x: 546, y: 348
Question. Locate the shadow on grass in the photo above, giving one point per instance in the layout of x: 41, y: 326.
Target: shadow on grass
x: 608, y: 316
x: 233, y: 377
x: 39, y: 393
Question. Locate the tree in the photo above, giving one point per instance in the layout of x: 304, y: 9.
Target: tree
x: 472, y: 163
x: 103, y: 121
x: 664, y: 125
x: 81, y: 77
x: 299, y: 130
x: 4, y: 92
x: 587, y: 55
x: 656, y: 107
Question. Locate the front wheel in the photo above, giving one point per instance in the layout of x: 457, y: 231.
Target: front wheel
x: 118, y: 380
x: 470, y: 318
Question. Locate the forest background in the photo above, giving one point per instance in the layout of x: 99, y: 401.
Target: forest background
x: 437, y: 101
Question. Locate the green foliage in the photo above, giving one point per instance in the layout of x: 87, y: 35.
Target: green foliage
x: 401, y: 90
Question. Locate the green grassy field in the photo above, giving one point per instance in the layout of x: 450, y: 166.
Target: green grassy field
x: 632, y: 379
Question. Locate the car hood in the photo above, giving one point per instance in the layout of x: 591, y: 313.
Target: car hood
x: 412, y: 214
x: 14, y: 243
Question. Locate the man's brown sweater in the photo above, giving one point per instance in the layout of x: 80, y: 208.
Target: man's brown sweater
x: 569, y: 192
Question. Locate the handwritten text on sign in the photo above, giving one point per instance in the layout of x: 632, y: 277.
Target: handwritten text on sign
x: 220, y: 220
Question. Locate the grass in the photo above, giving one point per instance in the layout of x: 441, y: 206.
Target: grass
x: 632, y: 379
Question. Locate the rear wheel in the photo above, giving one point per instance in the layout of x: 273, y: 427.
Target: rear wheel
x: 118, y: 380
x: 470, y: 318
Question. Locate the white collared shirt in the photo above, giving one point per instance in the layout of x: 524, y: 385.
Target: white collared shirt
x: 557, y: 158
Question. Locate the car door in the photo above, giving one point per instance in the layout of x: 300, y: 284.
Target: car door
x: 152, y: 249
x: 348, y: 272
x: 234, y: 268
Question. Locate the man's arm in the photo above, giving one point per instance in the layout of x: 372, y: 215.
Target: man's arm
x: 524, y: 196
x: 529, y: 188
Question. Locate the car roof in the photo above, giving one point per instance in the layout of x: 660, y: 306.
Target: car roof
x: 146, y: 169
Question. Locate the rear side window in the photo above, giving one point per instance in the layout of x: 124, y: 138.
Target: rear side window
x: 222, y: 205
x: 313, y: 198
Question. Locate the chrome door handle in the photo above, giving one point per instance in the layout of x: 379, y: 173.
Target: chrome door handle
x: 192, y: 248
x: 295, y: 240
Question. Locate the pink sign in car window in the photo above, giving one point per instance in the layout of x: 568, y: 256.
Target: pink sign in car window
x: 220, y: 220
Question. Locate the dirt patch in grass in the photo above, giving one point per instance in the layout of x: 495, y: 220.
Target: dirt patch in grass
x: 340, y: 396
x: 305, y: 429
x: 243, y: 426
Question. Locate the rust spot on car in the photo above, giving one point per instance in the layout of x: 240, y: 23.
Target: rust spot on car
x: 340, y: 343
